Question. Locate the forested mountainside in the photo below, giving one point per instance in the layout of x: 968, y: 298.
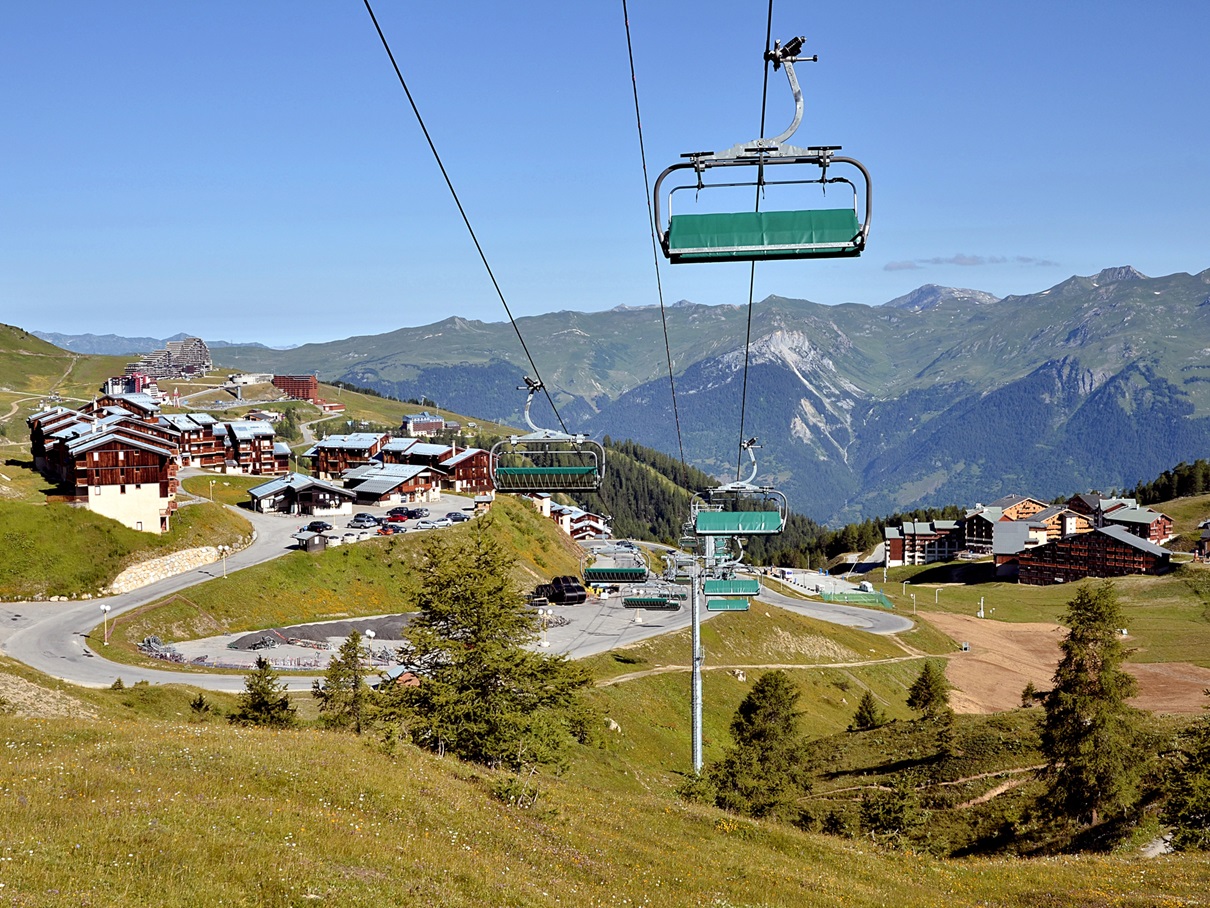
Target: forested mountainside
x: 940, y: 396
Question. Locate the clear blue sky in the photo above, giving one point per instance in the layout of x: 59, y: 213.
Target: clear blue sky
x: 251, y: 171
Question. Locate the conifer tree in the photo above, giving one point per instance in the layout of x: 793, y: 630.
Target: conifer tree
x: 264, y: 701
x: 1187, y: 810
x: 929, y: 694
x: 345, y: 700
x: 762, y: 774
x: 868, y: 714
x: 483, y: 695
x: 1090, y: 735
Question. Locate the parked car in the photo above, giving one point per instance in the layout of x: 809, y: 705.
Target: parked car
x: 390, y: 529
x: 318, y: 526
x: 420, y: 512
x: 363, y: 521
x: 403, y: 512
x: 458, y: 516
x: 426, y: 525
x: 442, y: 522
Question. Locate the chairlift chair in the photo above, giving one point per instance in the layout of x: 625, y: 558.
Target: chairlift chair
x: 545, y: 460
x: 741, y: 508
x: 751, y: 236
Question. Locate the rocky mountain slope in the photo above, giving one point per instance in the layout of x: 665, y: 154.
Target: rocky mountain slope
x: 942, y: 395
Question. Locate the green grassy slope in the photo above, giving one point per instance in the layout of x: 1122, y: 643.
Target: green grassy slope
x: 123, y: 809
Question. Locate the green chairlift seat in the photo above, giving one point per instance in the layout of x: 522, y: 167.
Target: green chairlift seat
x: 764, y: 235
x: 744, y: 587
x: 547, y: 479
x: 726, y: 605
x: 545, y: 460
x: 595, y: 575
x: 738, y: 523
x: 651, y: 603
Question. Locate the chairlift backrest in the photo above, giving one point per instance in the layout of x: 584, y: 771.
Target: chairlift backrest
x: 545, y: 460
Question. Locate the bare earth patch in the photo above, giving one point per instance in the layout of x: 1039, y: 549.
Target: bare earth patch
x: 1004, y: 657
x: 37, y: 702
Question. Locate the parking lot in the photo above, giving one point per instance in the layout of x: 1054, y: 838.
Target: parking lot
x: 341, y: 529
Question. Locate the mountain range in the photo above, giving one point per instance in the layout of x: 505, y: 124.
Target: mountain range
x: 940, y: 396
x: 116, y: 345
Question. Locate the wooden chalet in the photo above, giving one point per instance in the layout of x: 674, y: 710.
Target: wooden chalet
x: 200, y: 446
x: 1142, y: 522
x: 298, y: 494
x: 1062, y: 521
x: 468, y: 471
x: 923, y: 542
x: 331, y: 457
x: 249, y: 447
x: 392, y: 483
x: 1105, y: 552
x: 122, y: 474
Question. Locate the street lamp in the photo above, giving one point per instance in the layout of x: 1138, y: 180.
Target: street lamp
x: 105, y: 623
x: 913, y: 603
x: 937, y: 596
x: 544, y: 615
x: 212, y: 482
x: 223, y: 550
x: 370, y: 635
x: 905, y: 588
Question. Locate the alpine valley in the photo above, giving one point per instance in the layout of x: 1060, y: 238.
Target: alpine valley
x: 941, y: 396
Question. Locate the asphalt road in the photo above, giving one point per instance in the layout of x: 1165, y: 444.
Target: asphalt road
x: 54, y: 637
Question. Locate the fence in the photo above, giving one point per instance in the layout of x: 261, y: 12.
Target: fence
x: 858, y: 598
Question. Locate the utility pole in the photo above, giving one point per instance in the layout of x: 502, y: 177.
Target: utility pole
x: 696, y: 682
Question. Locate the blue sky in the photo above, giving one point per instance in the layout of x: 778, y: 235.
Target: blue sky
x: 251, y: 171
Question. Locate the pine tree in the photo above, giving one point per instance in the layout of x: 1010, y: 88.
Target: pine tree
x: 264, y: 701
x: 929, y: 694
x: 345, y: 700
x: 868, y: 714
x: 762, y: 774
x: 1090, y: 734
x: 1187, y: 810
x: 483, y: 695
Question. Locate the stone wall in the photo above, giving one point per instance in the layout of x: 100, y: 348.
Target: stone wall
x: 159, y: 568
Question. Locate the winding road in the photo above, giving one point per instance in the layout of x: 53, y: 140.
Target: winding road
x: 54, y: 637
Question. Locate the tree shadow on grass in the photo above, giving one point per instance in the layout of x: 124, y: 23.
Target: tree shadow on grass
x: 964, y: 573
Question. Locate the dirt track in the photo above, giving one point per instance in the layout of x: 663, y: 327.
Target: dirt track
x: 1003, y: 657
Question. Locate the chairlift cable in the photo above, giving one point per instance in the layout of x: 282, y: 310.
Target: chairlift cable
x: 743, y: 403
x: 655, y: 247
x: 458, y: 202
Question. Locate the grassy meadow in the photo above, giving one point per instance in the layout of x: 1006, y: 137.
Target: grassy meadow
x: 59, y: 550
x: 142, y: 802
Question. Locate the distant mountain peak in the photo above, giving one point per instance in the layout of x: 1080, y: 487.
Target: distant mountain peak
x: 1119, y: 274
x: 930, y: 296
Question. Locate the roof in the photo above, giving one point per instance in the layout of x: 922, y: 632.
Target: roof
x: 247, y: 430
x: 142, y: 442
x: 1121, y: 534
x: 1144, y: 516
x: 358, y: 441
x: 381, y: 482
x: 461, y: 456
x: 893, y: 533
x: 378, y: 470
x: 989, y: 513
x: 1053, y: 511
x: 422, y: 449
x: 139, y: 399
x: 280, y: 447
x: 1009, y: 500
x: 1010, y: 537
x: 298, y: 483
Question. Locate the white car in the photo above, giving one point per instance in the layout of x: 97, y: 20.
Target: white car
x: 442, y: 522
x: 426, y: 525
